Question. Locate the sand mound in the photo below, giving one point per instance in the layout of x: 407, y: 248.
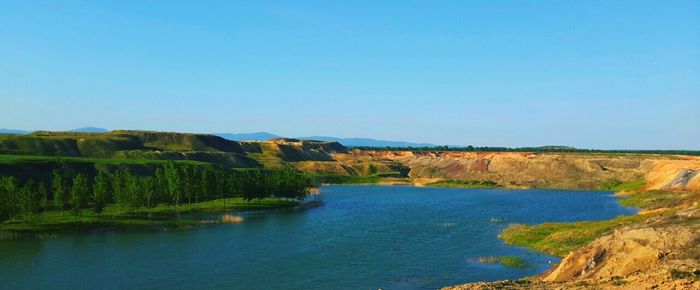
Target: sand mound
x: 231, y: 219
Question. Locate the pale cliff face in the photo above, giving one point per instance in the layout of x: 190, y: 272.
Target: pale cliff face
x: 525, y: 169
x: 674, y: 174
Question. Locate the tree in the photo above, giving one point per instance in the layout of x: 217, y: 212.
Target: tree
x: 8, y: 197
x: 125, y: 187
x: 100, y: 192
x: 119, y: 187
x: 172, y: 175
x: 78, y: 193
x: 251, y: 184
x: 292, y: 184
x: 132, y: 192
x: 217, y: 184
x: 161, y: 184
x: 371, y: 169
x: 234, y: 186
x: 60, y: 193
x: 189, y: 183
x: 43, y: 192
x: 28, y: 199
x: 207, y: 185
x: 148, y: 193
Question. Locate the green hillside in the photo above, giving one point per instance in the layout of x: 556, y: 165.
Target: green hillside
x: 147, y: 145
x: 35, y: 155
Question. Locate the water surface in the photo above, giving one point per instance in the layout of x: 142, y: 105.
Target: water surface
x: 364, y: 237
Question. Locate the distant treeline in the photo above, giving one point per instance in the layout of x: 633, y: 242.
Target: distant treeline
x: 172, y: 184
x: 543, y: 149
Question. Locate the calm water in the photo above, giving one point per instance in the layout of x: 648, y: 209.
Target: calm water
x: 364, y: 237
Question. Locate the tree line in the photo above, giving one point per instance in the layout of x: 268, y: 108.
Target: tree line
x: 543, y: 149
x: 172, y: 184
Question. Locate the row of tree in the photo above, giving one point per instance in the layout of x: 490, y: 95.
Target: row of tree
x: 542, y: 149
x: 173, y: 184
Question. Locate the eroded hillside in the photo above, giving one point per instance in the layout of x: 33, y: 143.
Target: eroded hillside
x: 121, y: 144
x: 506, y: 169
x: 522, y: 169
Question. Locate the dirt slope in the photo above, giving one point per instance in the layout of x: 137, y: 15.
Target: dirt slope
x: 674, y: 174
x: 554, y: 170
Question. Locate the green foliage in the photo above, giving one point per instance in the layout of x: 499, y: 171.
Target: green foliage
x: 618, y: 282
x: 114, y: 217
x: 251, y: 184
x: 174, y: 181
x: 508, y: 261
x: 616, y: 185
x: 345, y: 179
x: 100, y: 192
x: 44, y: 198
x: 147, y: 195
x: 9, y: 204
x: 79, y: 193
x: 559, y: 239
x: 691, y: 275
x: 289, y: 183
x: 28, y: 200
x: 125, y: 191
x: 60, y: 193
x: 372, y: 170
x: 119, y: 184
x: 650, y: 200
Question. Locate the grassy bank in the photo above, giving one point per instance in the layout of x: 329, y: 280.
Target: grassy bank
x: 561, y: 238
x: 508, y: 261
x: 162, y: 216
x: 357, y: 180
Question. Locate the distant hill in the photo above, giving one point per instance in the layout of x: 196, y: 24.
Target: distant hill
x: 255, y: 136
x: 367, y: 142
x: 350, y: 142
x: 90, y: 130
x: 13, y: 131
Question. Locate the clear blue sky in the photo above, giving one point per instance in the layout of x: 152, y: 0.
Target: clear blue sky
x: 590, y: 74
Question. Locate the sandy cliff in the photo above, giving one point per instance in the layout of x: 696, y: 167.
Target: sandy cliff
x: 523, y: 169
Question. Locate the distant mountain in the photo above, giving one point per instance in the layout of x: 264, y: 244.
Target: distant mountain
x: 255, y: 136
x: 13, y: 131
x: 367, y: 142
x: 90, y: 130
x: 351, y: 142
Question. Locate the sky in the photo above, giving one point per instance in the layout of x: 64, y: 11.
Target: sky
x: 589, y: 74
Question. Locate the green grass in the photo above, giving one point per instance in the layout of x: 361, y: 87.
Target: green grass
x: 616, y: 185
x: 650, y: 200
x: 559, y: 239
x: 162, y: 216
x: 49, y: 159
x: 464, y: 184
x: 508, y: 261
x: 219, y: 205
x: 678, y: 274
x: 347, y: 179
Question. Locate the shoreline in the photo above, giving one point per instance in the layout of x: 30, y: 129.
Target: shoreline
x: 161, y: 217
x: 569, y: 237
x: 615, y: 244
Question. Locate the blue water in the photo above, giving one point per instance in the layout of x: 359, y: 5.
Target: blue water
x: 364, y: 237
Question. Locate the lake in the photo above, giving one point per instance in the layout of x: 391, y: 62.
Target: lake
x: 363, y: 237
